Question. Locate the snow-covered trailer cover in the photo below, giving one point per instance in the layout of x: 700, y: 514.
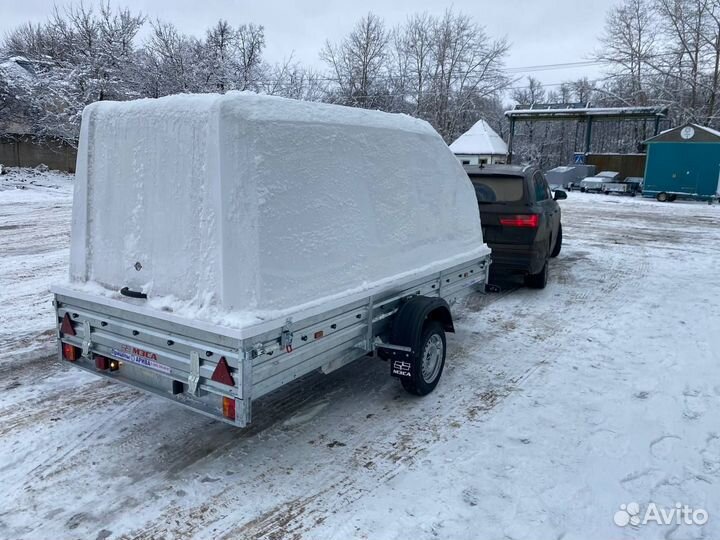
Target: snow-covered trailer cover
x: 236, y: 207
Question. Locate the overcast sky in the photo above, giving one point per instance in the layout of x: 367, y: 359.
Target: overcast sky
x: 540, y: 31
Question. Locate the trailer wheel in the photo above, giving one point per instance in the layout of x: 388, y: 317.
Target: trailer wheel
x: 662, y: 197
x: 430, y: 360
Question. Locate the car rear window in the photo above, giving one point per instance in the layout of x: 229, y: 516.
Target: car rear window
x: 490, y: 189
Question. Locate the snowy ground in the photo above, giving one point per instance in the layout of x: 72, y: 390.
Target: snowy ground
x: 34, y: 240
x: 555, y: 408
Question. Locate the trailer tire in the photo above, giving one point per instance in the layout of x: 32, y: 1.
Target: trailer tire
x: 558, y: 243
x: 429, y: 359
x: 662, y: 197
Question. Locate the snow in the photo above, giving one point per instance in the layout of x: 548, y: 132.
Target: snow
x: 587, y: 111
x: 228, y: 207
x: 555, y: 408
x: 707, y: 129
x: 17, y: 68
x: 480, y: 139
x: 34, y: 213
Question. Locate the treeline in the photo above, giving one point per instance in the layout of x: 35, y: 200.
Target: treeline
x: 665, y: 52
x: 654, y: 53
x: 445, y: 69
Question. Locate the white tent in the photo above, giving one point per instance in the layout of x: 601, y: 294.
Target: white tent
x: 480, y: 144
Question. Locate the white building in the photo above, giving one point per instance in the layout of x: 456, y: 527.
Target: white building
x: 480, y: 145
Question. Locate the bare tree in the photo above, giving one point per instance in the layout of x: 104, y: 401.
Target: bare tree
x: 171, y: 59
x: 413, y: 58
x: 358, y: 63
x: 220, y: 43
x: 291, y: 80
x: 685, y: 26
x: 251, y: 42
x: 467, y: 66
x: 629, y: 42
x: 712, y: 38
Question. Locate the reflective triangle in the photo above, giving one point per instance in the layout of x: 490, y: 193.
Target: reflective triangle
x: 66, y: 327
x: 222, y: 373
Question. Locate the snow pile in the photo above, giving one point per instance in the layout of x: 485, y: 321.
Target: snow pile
x: 250, y: 202
x: 481, y: 140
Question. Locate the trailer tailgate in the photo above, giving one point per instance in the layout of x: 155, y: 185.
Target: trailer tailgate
x: 194, y: 367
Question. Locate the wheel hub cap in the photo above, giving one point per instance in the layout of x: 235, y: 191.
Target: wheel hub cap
x: 432, y: 358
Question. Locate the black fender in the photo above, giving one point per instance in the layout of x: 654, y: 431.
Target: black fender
x: 411, y: 317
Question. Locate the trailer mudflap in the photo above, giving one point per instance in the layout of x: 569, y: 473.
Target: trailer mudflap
x: 400, y: 358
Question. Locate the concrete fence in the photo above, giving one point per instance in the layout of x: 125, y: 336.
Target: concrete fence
x: 23, y: 152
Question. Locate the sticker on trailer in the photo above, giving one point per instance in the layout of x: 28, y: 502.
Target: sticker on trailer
x: 141, y: 358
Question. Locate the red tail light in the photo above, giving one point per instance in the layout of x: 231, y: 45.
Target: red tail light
x: 228, y: 405
x: 529, y: 221
x: 102, y: 363
x: 70, y: 353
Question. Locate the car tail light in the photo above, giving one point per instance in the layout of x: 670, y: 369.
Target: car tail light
x: 529, y: 221
x: 228, y: 405
x: 70, y: 352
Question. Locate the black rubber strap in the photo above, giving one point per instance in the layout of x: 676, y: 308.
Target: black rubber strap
x: 132, y: 294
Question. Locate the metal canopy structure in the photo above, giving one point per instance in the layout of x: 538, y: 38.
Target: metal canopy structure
x: 580, y: 112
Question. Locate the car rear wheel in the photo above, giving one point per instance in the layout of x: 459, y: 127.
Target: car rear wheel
x: 558, y: 243
x: 539, y: 280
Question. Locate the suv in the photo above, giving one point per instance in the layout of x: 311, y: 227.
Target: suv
x: 520, y: 219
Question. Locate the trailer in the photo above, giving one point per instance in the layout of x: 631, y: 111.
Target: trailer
x: 622, y: 188
x: 683, y: 163
x: 569, y: 176
x: 594, y: 184
x: 223, y: 246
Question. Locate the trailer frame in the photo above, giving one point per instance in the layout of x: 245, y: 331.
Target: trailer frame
x: 188, y: 361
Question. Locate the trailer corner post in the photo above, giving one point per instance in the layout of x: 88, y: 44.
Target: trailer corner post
x: 247, y: 382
